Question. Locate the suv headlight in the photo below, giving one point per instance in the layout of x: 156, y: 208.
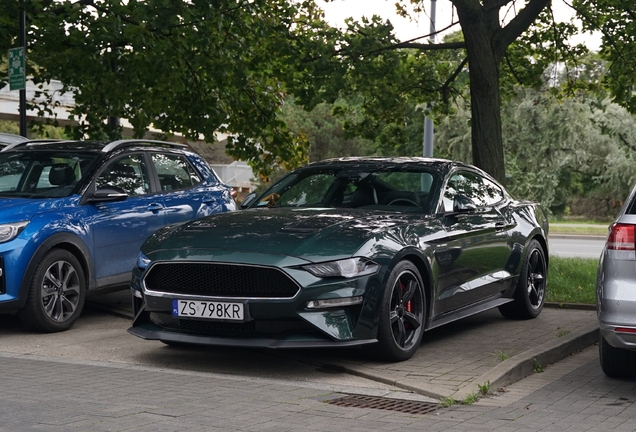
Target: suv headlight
x: 348, y: 268
x: 11, y: 230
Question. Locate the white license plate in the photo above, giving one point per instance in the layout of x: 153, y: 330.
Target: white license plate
x: 208, y: 309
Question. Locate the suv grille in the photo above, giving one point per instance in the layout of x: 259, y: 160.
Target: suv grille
x: 220, y: 280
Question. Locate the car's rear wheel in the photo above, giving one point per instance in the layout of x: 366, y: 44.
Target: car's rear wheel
x: 402, y: 314
x: 616, y: 362
x: 56, y: 293
x: 529, y: 295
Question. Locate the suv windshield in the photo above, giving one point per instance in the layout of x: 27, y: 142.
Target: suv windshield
x: 379, y: 188
x: 42, y: 174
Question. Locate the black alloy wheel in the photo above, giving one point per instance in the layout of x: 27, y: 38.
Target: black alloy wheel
x: 56, y: 294
x: 529, y: 295
x: 402, y: 314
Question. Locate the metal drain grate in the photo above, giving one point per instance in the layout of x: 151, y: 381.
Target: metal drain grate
x: 376, y: 402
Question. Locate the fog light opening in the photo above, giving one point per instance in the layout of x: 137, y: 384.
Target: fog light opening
x: 332, y: 303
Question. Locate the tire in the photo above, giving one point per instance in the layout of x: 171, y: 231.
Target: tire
x: 616, y: 362
x: 529, y: 295
x: 56, y: 293
x: 402, y: 314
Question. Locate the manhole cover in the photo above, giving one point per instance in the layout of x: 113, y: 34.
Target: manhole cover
x: 377, y: 402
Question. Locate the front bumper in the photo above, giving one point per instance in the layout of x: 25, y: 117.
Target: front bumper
x: 269, y: 322
x: 151, y: 331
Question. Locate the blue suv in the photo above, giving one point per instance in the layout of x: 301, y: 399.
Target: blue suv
x: 73, y: 215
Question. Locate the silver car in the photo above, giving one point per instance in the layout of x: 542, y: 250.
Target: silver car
x: 616, y: 295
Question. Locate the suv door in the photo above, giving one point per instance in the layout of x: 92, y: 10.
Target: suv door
x: 185, y: 193
x: 119, y: 228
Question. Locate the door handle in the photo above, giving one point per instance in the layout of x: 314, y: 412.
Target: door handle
x: 155, y: 207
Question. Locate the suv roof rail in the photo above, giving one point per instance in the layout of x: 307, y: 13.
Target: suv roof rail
x: 120, y: 143
x: 32, y: 142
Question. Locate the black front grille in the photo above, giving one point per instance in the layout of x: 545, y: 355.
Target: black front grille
x: 249, y: 329
x: 220, y: 280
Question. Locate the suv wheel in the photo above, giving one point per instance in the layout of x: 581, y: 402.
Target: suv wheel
x: 56, y: 293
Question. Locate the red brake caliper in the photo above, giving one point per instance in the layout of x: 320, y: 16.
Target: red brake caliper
x: 409, y: 306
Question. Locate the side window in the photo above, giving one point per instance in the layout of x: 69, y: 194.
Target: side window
x: 492, y: 193
x: 467, y: 184
x: 174, y: 171
x: 128, y: 173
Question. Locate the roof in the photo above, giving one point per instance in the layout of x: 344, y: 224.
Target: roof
x: 387, y: 161
x: 95, y: 146
x: 7, y: 138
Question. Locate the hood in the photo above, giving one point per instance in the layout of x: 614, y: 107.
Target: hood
x: 21, y: 209
x: 311, y: 234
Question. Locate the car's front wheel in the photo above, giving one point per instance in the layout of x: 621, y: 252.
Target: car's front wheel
x: 56, y: 293
x: 616, y: 362
x: 530, y: 292
x: 402, y: 314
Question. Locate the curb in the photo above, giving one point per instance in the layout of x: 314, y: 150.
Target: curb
x: 523, y: 365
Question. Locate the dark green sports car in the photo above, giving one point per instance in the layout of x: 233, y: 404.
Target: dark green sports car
x: 346, y: 252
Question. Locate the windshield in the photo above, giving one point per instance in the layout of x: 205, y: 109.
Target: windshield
x: 379, y: 188
x: 36, y: 174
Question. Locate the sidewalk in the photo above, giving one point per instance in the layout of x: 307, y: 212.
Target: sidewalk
x: 455, y: 359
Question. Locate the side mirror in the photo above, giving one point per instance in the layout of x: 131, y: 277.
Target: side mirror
x: 108, y: 194
x: 463, y: 204
x: 248, y: 200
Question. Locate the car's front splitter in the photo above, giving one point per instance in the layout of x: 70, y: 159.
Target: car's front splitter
x: 150, y: 331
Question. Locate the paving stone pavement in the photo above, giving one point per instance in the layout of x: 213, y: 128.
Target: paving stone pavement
x: 56, y: 394
x: 455, y: 359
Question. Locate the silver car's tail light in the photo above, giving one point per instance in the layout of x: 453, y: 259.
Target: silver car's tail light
x: 621, y: 237
x: 621, y: 242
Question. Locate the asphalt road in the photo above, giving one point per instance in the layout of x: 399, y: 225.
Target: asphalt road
x: 576, y: 246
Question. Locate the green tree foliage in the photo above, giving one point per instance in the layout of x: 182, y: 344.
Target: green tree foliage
x: 195, y: 68
x: 323, y: 131
x: 393, y: 77
x: 616, y: 20
x: 567, y: 153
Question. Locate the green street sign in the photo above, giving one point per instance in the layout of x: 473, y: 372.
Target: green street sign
x: 17, y: 70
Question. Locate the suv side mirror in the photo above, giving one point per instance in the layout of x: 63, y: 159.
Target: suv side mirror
x: 108, y: 194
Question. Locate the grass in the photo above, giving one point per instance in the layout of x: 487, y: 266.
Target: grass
x: 572, y: 280
x: 581, y: 230
x: 502, y: 355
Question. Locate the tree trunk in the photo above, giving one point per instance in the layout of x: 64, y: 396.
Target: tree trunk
x: 479, y: 28
x: 486, y: 44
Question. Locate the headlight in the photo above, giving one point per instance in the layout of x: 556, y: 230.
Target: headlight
x: 11, y: 230
x: 143, y: 261
x: 348, y: 268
